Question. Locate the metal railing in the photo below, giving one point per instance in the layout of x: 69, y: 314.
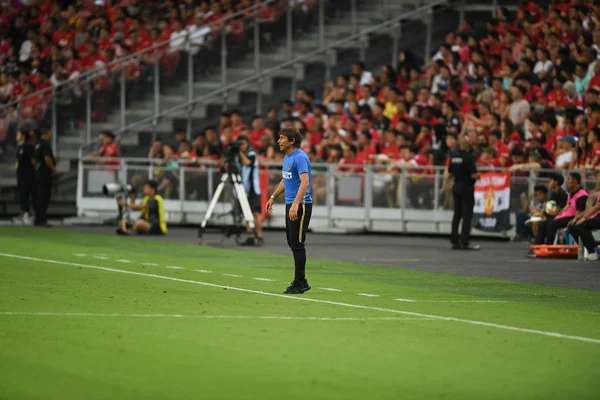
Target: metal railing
x: 415, y: 199
x: 261, y: 73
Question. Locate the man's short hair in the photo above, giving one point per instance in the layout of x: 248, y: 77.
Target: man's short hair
x: 558, y: 178
x: 576, y: 176
x: 153, y: 184
x: 293, y: 135
x: 244, y: 138
x: 540, y: 188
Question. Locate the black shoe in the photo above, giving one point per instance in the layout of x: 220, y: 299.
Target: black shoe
x: 456, y: 246
x: 470, y: 247
x: 298, y: 288
x: 249, y: 242
x: 531, y: 254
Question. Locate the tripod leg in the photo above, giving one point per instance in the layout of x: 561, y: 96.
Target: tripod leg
x: 213, y: 202
x: 246, y: 210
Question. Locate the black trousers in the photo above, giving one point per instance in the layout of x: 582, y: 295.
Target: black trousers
x: 296, y: 236
x: 584, y: 231
x: 43, y: 192
x: 551, y: 227
x: 463, y: 210
x: 26, y: 185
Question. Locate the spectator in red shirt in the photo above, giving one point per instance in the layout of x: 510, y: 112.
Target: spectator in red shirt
x: 501, y: 149
x: 109, y: 148
x: 258, y: 130
x: 350, y: 161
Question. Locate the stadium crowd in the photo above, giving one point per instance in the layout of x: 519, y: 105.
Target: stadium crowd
x: 44, y: 43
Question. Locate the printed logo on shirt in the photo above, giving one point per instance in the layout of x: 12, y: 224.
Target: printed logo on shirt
x: 289, y: 167
x: 457, y: 160
x: 286, y: 175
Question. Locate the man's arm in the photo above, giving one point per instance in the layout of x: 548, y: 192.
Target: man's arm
x: 580, y: 206
x: 302, y: 189
x: 279, y: 190
x: 245, y: 159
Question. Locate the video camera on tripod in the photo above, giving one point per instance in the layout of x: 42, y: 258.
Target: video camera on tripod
x: 231, y: 177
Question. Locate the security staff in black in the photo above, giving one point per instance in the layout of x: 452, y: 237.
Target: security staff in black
x: 25, y: 174
x: 45, y: 167
x: 464, y: 171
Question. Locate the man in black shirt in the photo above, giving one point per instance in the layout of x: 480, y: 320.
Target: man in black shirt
x: 45, y: 167
x: 25, y: 175
x: 464, y: 171
x: 559, y: 196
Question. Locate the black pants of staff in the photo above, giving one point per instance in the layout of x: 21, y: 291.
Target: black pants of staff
x: 552, y: 227
x: 43, y: 193
x: 296, y: 236
x: 584, y: 231
x: 27, y: 195
x: 463, y: 210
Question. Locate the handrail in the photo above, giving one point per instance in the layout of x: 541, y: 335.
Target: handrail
x: 269, y: 164
x: 269, y: 71
x: 100, y: 71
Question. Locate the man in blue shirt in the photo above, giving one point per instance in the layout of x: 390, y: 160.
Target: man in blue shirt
x: 298, y: 202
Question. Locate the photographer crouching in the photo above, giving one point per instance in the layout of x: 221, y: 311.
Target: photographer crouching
x: 250, y: 179
x: 152, y: 220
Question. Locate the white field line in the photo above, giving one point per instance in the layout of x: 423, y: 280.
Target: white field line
x: 79, y: 255
x: 451, y: 301
x: 101, y: 257
x: 234, y: 275
x: 67, y: 314
x: 308, y: 299
x: 367, y: 294
x: 203, y: 271
x: 174, y: 267
x: 123, y: 261
x: 151, y: 264
x: 263, y: 279
x: 330, y: 289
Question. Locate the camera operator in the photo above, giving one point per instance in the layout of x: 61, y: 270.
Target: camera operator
x: 152, y: 221
x: 250, y: 179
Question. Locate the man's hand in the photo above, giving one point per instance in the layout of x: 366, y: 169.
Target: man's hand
x: 293, y: 212
x: 572, y: 222
x: 269, y: 205
x: 580, y: 221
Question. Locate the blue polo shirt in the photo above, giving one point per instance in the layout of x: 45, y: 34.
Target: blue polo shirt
x: 294, y: 165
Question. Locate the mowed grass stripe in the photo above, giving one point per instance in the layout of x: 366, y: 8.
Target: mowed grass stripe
x: 307, y: 299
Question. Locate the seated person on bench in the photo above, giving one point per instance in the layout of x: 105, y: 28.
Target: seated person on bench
x: 576, y: 204
x: 560, y: 197
x: 583, y: 226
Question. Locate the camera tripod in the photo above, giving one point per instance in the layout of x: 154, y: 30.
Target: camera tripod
x: 232, y: 178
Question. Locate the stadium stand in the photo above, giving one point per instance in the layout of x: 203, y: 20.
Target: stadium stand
x: 524, y: 86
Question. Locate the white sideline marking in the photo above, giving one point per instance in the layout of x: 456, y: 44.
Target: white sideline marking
x: 123, y: 261
x: 203, y: 271
x: 263, y: 279
x: 367, y: 295
x: 451, y: 301
x: 308, y: 299
x: 330, y: 289
x: 101, y: 257
x: 79, y: 255
x: 174, y: 267
x: 151, y: 264
x: 57, y: 314
x: 233, y: 275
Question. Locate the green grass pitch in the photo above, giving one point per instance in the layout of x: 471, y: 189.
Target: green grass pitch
x: 96, y: 317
